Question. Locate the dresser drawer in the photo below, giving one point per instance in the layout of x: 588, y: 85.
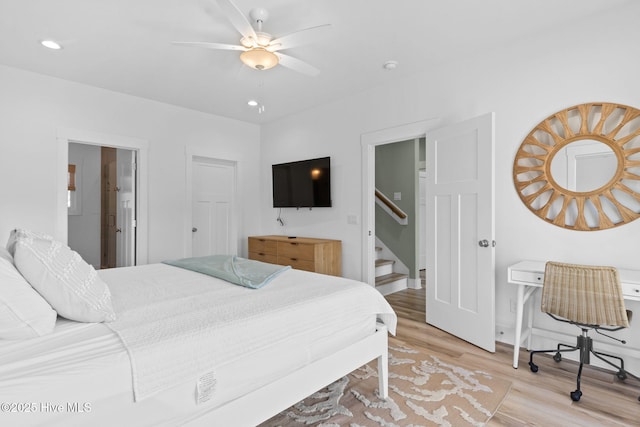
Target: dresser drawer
x: 263, y: 246
x: 527, y: 276
x: 631, y: 290
x: 264, y: 257
x: 298, y: 264
x: 293, y: 250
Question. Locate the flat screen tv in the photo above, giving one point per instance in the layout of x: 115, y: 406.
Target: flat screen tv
x: 302, y: 184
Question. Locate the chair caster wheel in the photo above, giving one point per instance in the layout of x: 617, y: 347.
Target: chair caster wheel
x: 622, y: 375
x: 576, y: 395
x: 557, y: 357
x: 533, y: 367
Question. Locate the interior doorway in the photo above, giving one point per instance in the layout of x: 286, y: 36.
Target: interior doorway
x: 369, y: 142
x: 397, y: 221
x: 101, y: 220
x: 460, y: 220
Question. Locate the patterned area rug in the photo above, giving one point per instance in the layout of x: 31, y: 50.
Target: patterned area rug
x: 424, y: 390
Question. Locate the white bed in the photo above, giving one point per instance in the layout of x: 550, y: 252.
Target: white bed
x: 270, y: 348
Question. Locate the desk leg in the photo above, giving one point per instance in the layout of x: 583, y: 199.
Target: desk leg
x: 518, y: 331
x: 530, y: 319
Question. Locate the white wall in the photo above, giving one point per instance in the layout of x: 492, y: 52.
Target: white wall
x: 523, y: 82
x: 32, y: 109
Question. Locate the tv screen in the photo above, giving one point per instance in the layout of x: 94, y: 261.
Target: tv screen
x: 303, y: 184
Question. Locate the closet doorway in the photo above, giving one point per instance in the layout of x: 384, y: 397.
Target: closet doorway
x: 213, y: 191
x: 102, y: 204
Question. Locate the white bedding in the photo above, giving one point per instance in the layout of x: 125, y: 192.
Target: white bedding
x: 87, y: 364
x: 168, y: 344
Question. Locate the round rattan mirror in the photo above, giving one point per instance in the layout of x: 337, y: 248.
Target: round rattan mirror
x: 580, y: 167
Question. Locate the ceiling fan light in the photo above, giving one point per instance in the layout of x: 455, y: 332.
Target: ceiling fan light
x: 259, y: 58
x: 263, y: 39
x: 247, y: 42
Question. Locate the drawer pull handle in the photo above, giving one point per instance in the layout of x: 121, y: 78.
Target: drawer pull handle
x: 294, y: 259
x: 261, y: 253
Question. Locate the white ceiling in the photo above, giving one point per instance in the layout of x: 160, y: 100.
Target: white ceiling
x: 125, y: 45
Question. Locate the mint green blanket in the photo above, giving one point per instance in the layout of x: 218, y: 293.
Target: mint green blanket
x: 239, y: 271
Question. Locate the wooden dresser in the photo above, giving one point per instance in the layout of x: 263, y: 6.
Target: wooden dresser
x: 303, y: 253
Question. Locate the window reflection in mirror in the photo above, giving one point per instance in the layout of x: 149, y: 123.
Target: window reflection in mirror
x: 584, y: 165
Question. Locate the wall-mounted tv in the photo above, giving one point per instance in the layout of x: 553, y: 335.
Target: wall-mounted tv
x: 302, y: 184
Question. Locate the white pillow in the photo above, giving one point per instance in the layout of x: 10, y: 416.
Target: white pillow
x: 64, y: 279
x: 23, y: 312
x: 21, y: 232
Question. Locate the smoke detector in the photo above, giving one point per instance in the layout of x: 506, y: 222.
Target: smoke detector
x: 390, y: 65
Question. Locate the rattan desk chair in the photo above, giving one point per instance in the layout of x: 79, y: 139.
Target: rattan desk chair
x: 589, y: 297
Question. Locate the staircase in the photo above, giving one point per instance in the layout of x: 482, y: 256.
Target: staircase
x: 388, y: 281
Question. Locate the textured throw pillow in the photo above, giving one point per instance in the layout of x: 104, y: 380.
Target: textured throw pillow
x: 23, y: 312
x: 22, y: 233
x: 64, y: 279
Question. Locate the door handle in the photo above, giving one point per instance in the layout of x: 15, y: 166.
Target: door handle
x: 485, y: 243
x: 118, y: 230
x: 194, y: 229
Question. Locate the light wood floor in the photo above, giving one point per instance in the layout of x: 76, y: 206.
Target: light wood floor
x: 540, y: 399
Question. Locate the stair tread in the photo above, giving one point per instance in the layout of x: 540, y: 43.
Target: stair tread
x: 380, y: 262
x: 391, y: 277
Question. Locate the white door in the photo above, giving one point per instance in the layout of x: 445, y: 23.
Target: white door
x: 126, y: 208
x: 213, y: 184
x: 460, y: 230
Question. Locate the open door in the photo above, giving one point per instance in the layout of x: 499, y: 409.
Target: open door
x: 108, y: 207
x: 460, y: 229
x: 126, y: 208
x: 117, y: 207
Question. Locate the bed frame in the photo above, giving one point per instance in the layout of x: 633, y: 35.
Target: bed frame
x: 265, y: 402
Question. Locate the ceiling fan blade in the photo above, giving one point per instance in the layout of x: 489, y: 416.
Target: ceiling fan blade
x: 297, y: 65
x: 297, y: 38
x: 207, y: 45
x: 237, y: 18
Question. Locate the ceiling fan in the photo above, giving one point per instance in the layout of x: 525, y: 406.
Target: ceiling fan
x: 260, y: 50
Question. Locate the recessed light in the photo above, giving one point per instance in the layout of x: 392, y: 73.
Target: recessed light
x: 51, y: 44
x: 252, y: 103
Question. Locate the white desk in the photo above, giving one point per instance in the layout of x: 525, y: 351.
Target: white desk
x: 529, y: 276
